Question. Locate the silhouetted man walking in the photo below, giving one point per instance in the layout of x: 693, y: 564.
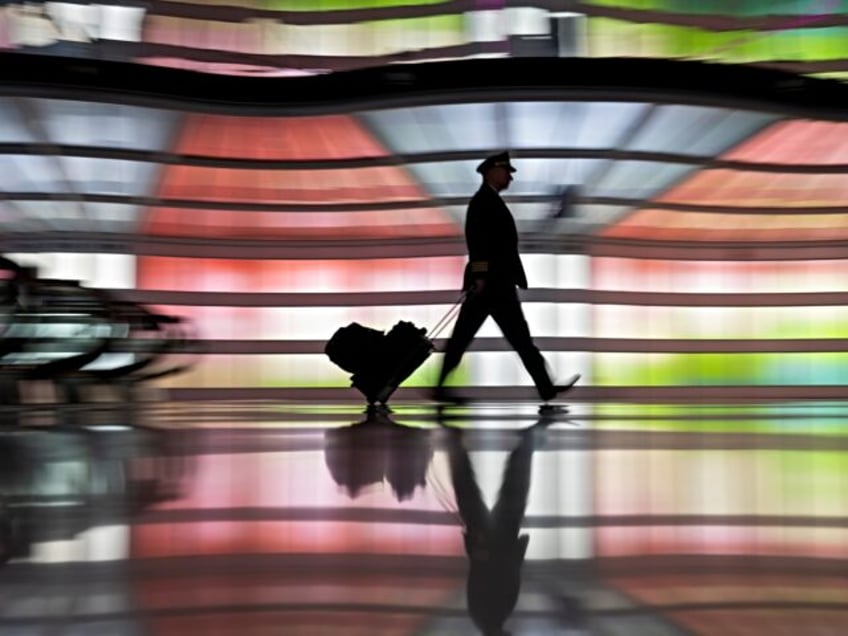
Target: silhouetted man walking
x: 493, y: 272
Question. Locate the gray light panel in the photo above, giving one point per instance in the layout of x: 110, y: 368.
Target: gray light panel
x: 107, y: 125
x: 570, y: 124
x: 113, y: 217
x: 51, y: 215
x: 435, y: 128
x: 479, y: 127
x: 12, y: 127
x: 110, y: 176
x: 638, y: 179
x: 30, y: 173
x: 546, y: 177
x: 447, y: 178
x: 696, y: 130
x: 16, y: 218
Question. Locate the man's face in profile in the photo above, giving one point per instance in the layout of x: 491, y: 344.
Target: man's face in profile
x: 499, y: 177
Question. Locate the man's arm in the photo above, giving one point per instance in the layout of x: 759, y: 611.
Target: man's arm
x: 478, y: 235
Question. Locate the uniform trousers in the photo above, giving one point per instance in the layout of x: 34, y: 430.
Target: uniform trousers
x: 502, y: 304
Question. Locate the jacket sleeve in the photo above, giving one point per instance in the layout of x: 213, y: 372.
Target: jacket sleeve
x: 480, y: 241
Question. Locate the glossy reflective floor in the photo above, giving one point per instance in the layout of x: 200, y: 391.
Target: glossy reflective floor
x: 259, y: 518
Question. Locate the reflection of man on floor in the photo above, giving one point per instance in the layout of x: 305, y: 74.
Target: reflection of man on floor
x: 493, y: 542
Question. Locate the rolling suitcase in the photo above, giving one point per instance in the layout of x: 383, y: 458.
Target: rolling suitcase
x: 379, y: 362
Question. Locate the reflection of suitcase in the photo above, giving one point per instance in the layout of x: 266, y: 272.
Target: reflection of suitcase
x: 379, y: 361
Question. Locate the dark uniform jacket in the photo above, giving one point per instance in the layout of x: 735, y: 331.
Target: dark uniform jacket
x: 492, y: 240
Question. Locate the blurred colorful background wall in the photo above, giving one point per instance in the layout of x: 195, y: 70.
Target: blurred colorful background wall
x: 667, y: 244
x: 293, y: 37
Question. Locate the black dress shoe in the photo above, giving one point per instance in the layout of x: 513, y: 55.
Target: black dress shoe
x: 562, y: 387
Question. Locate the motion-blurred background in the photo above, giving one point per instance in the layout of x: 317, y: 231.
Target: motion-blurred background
x: 685, y: 243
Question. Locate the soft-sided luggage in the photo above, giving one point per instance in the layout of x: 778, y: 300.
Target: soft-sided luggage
x: 354, y: 347
x: 379, y: 362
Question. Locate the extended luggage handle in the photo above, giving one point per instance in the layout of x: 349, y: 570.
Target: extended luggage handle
x: 445, y: 320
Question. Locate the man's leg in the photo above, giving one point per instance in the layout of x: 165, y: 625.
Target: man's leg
x: 472, y: 314
x: 469, y: 499
x: 506, y: 310
x: 508, y: 512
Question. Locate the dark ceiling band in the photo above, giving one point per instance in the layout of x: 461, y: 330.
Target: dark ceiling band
x: 662, y: 81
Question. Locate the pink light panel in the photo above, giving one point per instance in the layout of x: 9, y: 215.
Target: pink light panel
x: 294, y: 139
